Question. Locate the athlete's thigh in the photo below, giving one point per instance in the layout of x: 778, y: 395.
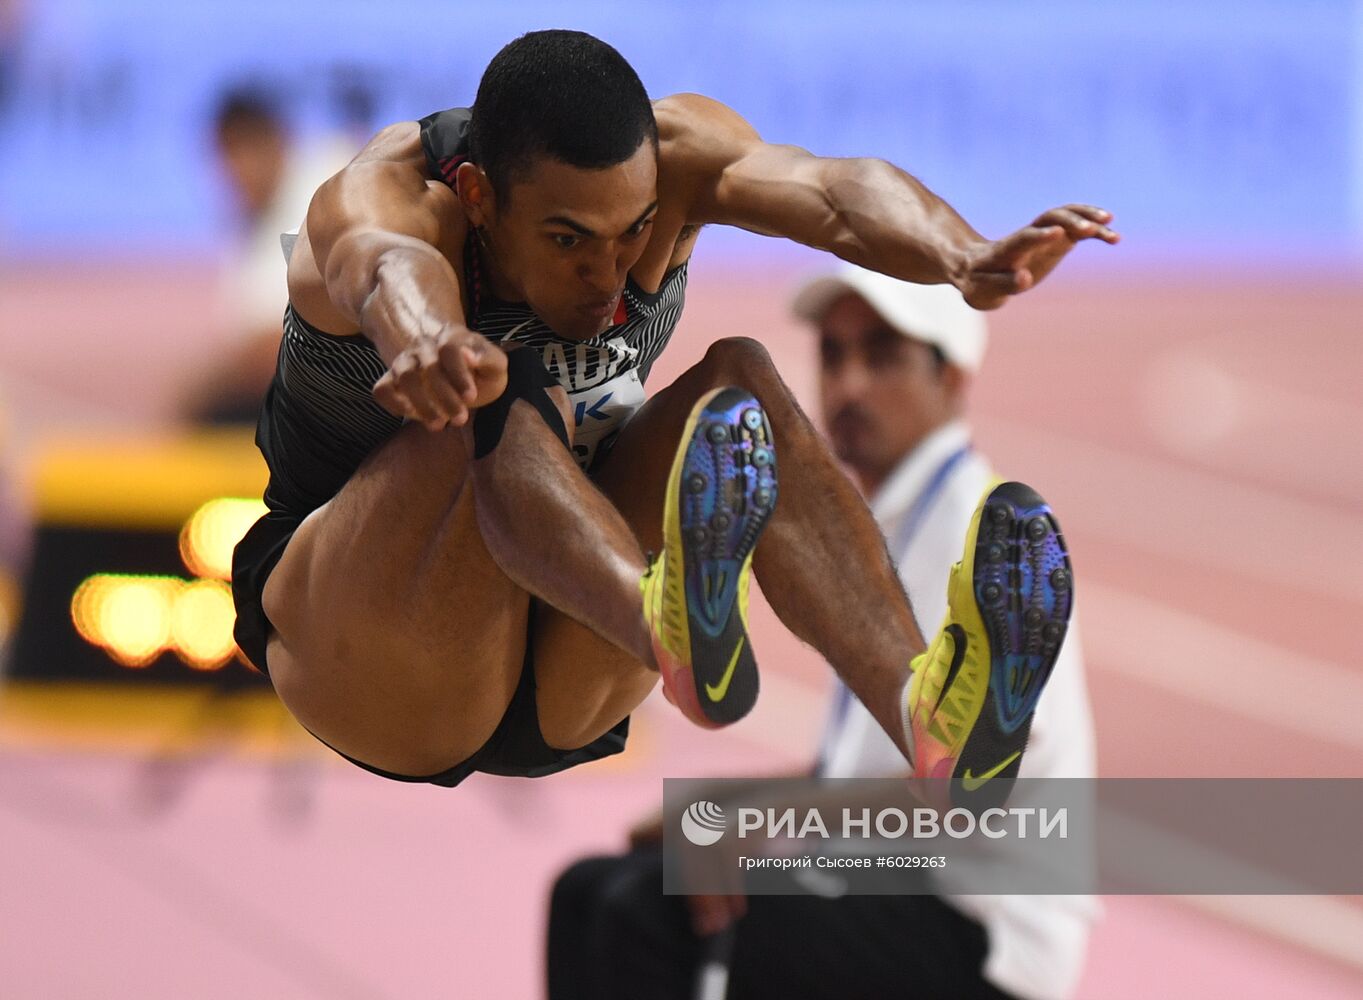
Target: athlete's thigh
x: 399, y: 640
x: 585, y: 683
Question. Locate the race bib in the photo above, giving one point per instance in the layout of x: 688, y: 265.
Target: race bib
x: 600, y: 412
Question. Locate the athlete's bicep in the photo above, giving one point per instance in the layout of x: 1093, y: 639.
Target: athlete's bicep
x: 777, y: 191
x: 732, y: 177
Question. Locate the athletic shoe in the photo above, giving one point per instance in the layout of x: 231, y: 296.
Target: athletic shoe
x: 974, y: 690
x: 719, y: 496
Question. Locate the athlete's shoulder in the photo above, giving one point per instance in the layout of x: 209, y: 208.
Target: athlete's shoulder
x: 678, y: 111
x: 696, y: 129
x: 394, y: 165
x: 397, y: 143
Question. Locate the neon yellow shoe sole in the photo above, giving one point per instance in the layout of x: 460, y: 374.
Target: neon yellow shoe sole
x: 720, y: 494
x: 974, y: 692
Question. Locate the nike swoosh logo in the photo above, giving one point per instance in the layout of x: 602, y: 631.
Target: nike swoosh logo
x: 958, y: 647
x: 970, y: 783
x: 717, y: 691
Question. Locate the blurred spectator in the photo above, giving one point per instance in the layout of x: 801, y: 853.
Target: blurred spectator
x: 11, y: 36
x: 14, y: 540
x: 895, y: 363
x: 272, y: 179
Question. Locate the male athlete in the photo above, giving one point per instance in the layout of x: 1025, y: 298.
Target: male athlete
x: 452, y: 575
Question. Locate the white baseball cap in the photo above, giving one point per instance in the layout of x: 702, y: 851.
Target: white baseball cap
x: 934, y: 314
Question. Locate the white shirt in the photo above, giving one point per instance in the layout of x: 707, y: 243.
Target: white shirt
x: 253, y: 284
x: 1036, y: 943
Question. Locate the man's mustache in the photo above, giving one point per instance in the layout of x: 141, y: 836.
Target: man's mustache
x: 850, y: 417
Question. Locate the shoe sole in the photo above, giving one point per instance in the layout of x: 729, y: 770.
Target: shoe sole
x: 1023, y: 589
x: 725, y: 491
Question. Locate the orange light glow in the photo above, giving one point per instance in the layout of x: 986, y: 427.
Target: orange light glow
x: 128, y: 616
x: 201, y: 624
x: 10, y: 603
x: 208, y: 537
x: 137, y: 618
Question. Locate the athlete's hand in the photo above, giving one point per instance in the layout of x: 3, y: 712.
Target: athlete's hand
x: 439, y: 380
x: 995, y: 271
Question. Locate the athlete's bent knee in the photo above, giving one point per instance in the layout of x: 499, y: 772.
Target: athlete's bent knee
x: 737, y: 359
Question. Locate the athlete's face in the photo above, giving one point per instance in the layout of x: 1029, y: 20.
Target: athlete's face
x: 567, y: 237
x: 882, y: 392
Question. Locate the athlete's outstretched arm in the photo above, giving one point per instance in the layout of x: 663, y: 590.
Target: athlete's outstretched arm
x: 371, y: 262
x: 866, y: 211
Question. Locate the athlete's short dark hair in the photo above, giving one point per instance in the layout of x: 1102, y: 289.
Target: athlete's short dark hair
x: 561, y: 94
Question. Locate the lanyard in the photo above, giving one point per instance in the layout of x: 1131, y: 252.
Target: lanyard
x: 908, y: 528
x: 913, y: 520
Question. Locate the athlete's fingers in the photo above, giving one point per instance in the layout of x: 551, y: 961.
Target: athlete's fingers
x: 407, y: 374
x: 448, y: 408
x: 455, y: 364
x: 1077, y: 225
x: 487, y: 360
x: 471, y: 361
x: 489, y: 374
x: 438, y: 386
x: 423, y: 409
x: 1017, y: 247
x: 476, y: 346
x: 1099, y: 215
x: 390, y: 397
x: 1092, y: 212
x: 404, y: 392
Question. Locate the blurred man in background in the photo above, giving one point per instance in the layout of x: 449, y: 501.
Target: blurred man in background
x: 896, y: 360
x: 14, y: 541
x: 271, y: 178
